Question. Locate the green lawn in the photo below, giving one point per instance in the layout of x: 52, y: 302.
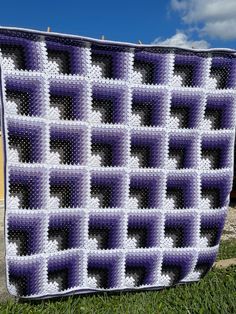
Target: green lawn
x: 227, y: 249
x: 216, y: 293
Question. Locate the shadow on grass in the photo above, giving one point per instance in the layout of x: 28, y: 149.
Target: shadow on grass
x: 102, y: 294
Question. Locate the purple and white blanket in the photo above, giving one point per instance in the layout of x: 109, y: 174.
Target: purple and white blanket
x: 118, y: 162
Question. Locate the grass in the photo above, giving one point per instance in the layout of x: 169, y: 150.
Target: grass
x: 216, y: 293
x: 227, y: 249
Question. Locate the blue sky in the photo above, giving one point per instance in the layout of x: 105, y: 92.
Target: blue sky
x: 198, y: 23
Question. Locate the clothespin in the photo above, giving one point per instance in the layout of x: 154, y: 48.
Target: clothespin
x: 102, y: 37
x: 139, y: 42
x: 49, y: 29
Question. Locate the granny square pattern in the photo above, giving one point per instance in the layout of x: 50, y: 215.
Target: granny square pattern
x: 118, y: 162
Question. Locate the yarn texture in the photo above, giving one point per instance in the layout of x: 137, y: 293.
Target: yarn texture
x: 118, y: 162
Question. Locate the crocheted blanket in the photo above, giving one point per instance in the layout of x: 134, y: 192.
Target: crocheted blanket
x: 118, y: 162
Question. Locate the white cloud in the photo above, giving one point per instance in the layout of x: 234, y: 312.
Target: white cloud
x: 221, y: 29
x: 178, y: 5
x: 216, y: 18
x: 181, y: 40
